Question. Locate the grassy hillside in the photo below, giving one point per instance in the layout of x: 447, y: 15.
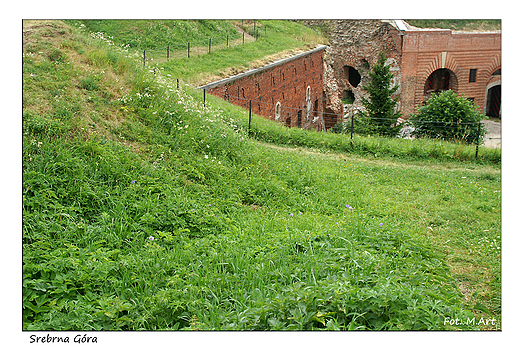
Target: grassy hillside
x: 229, y: 55
x: 458, y: 24
x: 143, y: 209
x: 153, y: 34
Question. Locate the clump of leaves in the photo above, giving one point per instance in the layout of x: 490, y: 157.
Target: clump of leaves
x: 449, y: 117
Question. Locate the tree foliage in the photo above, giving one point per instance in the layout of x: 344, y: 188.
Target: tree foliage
x: 449, y: 117
x: 380, y: 107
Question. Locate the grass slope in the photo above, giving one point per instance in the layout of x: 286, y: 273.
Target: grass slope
x: 458, y: 24
x: 143, y: 209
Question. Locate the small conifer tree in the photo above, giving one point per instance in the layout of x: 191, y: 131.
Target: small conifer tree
x: 380, y: 114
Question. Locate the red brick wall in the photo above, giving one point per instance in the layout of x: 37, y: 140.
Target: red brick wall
x: 425, y: 51
x: 283, y: 82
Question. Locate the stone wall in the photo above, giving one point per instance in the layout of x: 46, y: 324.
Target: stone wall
x: 354, y: 47
x: 413, y: 55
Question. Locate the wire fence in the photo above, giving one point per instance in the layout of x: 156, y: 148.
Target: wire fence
x: 359, y: 124
x: 467, y: 132
x: 204, y: 46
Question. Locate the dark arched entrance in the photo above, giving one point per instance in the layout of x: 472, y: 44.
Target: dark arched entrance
x: 440, y: 80
x: 494, y: 101
x: 352, y: 75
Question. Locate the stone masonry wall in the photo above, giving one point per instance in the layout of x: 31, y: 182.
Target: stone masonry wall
x: 354, y: 47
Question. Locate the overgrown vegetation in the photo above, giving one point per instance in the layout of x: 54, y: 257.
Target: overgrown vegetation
x: 449, y: 117
x: 143, y: 209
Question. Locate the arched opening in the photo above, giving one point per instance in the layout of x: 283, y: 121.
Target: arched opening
x: 348, y: 97
x: 493, y: 103
x: 352, y: 75
x: 439, y: 81
x: 308, y: 101
x: 277, y: 111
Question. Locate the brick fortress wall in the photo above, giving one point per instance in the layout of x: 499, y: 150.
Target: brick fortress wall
x: 457, y: 53
x: 289, y: 90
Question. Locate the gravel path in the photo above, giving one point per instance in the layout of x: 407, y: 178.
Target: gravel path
x: 494, y: 137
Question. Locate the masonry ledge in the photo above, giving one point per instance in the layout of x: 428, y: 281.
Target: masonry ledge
x: 261, y: 69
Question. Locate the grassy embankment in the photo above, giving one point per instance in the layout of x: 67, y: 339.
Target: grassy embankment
x: 144, y: 210
x: 458, y: 24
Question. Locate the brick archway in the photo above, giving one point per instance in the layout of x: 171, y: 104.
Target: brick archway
x: 438, y: 81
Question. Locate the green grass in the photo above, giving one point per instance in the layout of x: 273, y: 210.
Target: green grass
x: 248, y: 232
x: 458, y: 24
x: 280, y: 37
x: 154, y: 34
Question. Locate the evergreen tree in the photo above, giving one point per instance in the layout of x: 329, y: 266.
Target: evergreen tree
x: 381, y: 118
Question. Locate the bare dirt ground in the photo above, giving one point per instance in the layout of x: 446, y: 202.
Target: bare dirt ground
x: 494, y: 137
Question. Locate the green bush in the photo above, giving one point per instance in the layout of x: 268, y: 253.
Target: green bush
x: 449, y: 117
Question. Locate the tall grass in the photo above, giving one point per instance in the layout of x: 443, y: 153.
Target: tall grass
x: 372, y: 146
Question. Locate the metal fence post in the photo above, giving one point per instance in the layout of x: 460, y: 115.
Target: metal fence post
x: 352, y: 126
x: 227, y: 40
x: 478, y: 140
x: 209, y: 50
x: 144, y: 57
x: 204, y: 98
x: 188, y: 50
x: 168, y: 53
x: 249, y: 125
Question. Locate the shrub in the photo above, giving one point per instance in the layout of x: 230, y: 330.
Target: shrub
x: 449, y: 117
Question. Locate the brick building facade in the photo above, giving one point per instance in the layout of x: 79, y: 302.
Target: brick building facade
x: 469, y: 63
x: 289, y: 90
x: 423, y: 61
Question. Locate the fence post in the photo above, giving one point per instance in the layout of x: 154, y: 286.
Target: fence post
x: 168, y: 53
x: 177, y: 83
x: 209, y: 50
x: 249, y: 125
x: 227, y: 40
x: 144, y: 57
x: 352, y: 126
x: 204, y: 98
x: 188, y: 50
x: 478, y: 141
